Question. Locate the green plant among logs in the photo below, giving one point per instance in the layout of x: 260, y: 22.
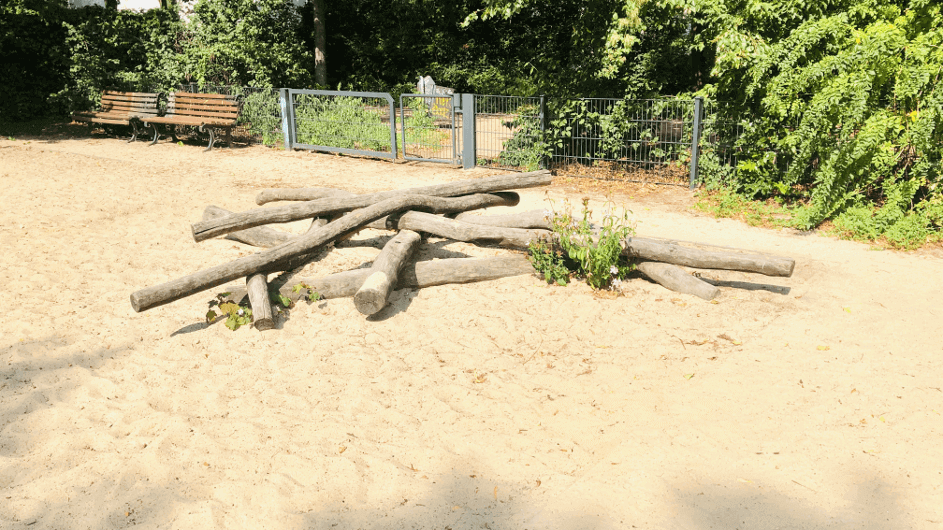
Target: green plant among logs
x: 580, y: 248
x: 236, y: 315
x: 310, y: 295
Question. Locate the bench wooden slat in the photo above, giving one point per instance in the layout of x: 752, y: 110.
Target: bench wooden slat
x: 202, y: 95
x: 194, y: 121
x: 201, y: 110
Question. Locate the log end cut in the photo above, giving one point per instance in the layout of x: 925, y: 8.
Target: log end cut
x: 372, y: 296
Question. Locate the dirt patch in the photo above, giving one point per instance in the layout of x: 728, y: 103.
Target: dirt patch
x: 805, y: 402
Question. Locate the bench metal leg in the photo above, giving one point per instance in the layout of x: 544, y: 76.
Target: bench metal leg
x: 156, y: 134
x: 134, y: 128
x: 173, y: 133
x: 212, y: 137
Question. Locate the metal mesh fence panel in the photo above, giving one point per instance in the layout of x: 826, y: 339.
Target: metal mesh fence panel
x: 643, y: 140
x: 344, y: 122
x: 428, y: 128
x: 508, y: 132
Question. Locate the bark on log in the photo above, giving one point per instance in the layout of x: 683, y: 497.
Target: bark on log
x: 259, y: 236
x: 157, y: 295
x: 298, y: 194
x: 655, y: 250
x: 325, y: 207
x: 257, y: 288
x: 676, y: 279
x: 531, y: 219
x: 449, y: 228
x: 414, y: 275
x: 384, y: 273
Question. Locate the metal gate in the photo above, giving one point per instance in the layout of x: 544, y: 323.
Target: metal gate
x: 359, y: 123
x: 429, y: 126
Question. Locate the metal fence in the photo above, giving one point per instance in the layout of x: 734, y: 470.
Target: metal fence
x: 509, y: 132
x: 429, y: 128
x: 642, y: 140
x: 362, y: 123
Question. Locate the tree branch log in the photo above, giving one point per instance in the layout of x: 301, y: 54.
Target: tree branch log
x: 373, y: 294
x: 529, y: 219
x: 665, y: 252
x: 325, y: 207
x: 460, y: 231
x: 257, y: 287
x: 676, y: 279
x: 299, y: 194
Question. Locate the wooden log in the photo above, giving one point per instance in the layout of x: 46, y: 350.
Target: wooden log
x: 384, y: 273
x: 157, y: 295
x: 530, y: 219
x: 325, y: 207
x: 259, y: 236
x: 666, y: 252
x: 298, y: 194
x: 676, y: 279
x: 414, y: 275
x: 451, y: 189
x: 460, y: 231
x: 257, y: 288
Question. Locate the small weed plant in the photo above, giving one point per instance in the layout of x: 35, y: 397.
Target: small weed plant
x: 238, y: 315
x: 583, y: 249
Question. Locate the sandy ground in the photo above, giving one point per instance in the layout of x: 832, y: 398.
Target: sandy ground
x: 806, y: 402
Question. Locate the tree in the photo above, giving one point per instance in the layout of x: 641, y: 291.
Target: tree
x: 320, y: 42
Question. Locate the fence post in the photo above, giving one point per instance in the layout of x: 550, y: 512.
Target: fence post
x: 285, y: 105
x: 469, y: 159
x: 543, y: 129
x: 696, y: 139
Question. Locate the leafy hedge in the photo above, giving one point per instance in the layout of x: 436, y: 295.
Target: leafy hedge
x: 54, y: 59
x: 847, y: 109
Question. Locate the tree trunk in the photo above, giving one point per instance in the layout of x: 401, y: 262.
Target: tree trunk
x: 264, y: 261
x: 676, y: 279
x: 320, y: 42
x: 413, y: 276
x: 460, y: 231
x: 376, y: 289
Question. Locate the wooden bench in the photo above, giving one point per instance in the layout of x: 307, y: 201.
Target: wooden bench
x: 205, y: 111
x: 122, y: 108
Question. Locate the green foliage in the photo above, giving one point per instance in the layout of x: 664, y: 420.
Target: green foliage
x: 725, y: 203
x: 261, y: 115
x: 309, y: 293
x: 847, y: 106
x: 32, y: 57
x: 549, y: 260
x: 340, y: 121
x: 236, y: 315
x: 248, y: 42
x: 526, y: 149
x: 592, y: 252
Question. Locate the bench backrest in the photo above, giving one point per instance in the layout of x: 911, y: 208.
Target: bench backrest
x: 213, y: 106
x: 132, y: 103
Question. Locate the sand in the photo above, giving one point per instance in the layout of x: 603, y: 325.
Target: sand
x: 806, y: 402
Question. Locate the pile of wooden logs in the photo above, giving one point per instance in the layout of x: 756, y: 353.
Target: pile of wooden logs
x: 337, y: 215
